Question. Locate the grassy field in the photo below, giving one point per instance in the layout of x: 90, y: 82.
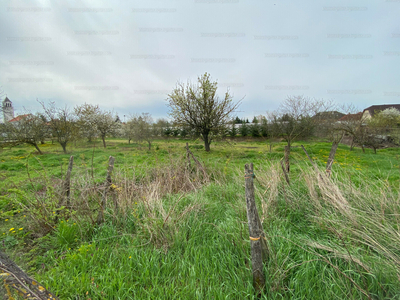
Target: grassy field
x: 179, y: 233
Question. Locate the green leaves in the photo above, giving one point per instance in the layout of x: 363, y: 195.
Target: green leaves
x: 199, y: 107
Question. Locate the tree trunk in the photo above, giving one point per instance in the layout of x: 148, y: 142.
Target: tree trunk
x: 104, y: 141
x: 149, y: 142
x: 37, y: 148
x: 64, y: 146
x: 206, y: 142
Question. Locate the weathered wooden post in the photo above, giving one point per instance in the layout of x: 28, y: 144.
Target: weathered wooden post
x: 66, y: 189
x: 188, y: 156
x: 331, y: 158
x: 107, y: 185
x: 255, y: 230
x: 285, y: 173
x: 287, y: 158
x: 67, y: 182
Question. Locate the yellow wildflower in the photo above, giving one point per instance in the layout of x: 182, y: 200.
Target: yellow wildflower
x: 11, y: 229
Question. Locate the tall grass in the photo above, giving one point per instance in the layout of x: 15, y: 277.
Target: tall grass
x: 339, y: 239
x: 173, y: 232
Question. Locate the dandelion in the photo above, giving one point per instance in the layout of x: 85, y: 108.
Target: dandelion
x: 21, y: 228
x: 11, y: 229
x: 6, y: 220
x: 130, y: 256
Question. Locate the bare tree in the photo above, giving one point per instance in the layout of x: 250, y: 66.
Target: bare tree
x: 295, y: 118
x: 199, y: 107
x: 61, y: 122
x: 352, y: 125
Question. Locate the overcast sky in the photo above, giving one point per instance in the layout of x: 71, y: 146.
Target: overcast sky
x: 127, y: 55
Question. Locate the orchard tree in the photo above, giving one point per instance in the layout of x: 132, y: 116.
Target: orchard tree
x: 199, y: 108
x: 106, y: 124
x: 61, y: 122
x: 128, y: 130
x: 143, y: 128
x: 295, y: 117
x: 92, y: 121
x: 162, y: 128
x: 28, y: 129
x: 86, y: 122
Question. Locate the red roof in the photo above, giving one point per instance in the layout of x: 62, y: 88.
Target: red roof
x: 16, y: 119
x: 351, y: 117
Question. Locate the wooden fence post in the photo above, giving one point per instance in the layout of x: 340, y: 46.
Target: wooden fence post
x: 287, y: 158
x: 66, y: 189
x: 255, y: 230
x: 199, y: 165
x: 67, y: 182
x: 329, y: 163
x: 284, y: 172
x: 188, y: 156
x: 107, y: 185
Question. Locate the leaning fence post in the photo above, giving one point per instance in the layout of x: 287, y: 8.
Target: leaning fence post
x: 255, y: 230
x: 188, y: 156
x: 67, y: 182
x: 107, y: 185
x: 329, y: 163
x: 285, y: 173
x: 66, y: 188
x: 287, y: 158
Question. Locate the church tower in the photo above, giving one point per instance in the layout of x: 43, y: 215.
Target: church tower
x: 8, y: 110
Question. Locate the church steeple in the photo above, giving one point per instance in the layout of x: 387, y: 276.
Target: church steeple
x: 8, y: 110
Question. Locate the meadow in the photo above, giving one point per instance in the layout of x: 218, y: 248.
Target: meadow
x: 172, y: 231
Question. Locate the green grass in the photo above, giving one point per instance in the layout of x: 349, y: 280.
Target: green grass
x: 192, y: 243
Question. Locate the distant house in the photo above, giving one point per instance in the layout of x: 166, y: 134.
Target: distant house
x: 328, y: 116
x: 18, y: 118
x: 369, y: 112
x: 351, y: 117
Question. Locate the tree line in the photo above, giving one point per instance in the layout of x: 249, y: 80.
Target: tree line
x: 197, y: 112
